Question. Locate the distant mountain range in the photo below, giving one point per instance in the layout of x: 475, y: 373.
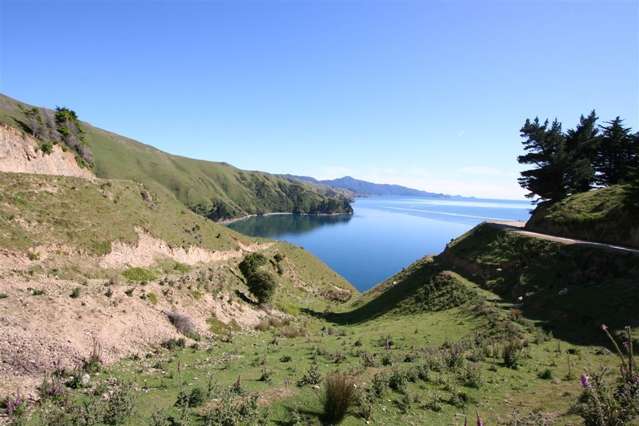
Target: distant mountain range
x: 361, y: 188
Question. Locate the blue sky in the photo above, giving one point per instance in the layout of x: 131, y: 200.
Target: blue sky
x: 420, y: 93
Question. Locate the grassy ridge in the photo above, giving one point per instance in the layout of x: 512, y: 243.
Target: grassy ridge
x: 571, y: 289
x: 216, y: 190
x: 38, y: 210
x: 606, y: 215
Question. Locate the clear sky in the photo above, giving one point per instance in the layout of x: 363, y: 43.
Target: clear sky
x: 425, y: 94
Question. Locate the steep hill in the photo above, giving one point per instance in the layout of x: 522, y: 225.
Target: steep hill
x: 607, y: 215
x: 215, y: 190
x: 114, y: 262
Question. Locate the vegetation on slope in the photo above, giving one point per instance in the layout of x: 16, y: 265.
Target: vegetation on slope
x: 90, y: 216
x: 607, y: 215
x: 424, y: 348
x: 570, y: 288
x: 215, y: 190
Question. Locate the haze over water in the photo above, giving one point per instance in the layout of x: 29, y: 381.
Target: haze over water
x: 384, y: 234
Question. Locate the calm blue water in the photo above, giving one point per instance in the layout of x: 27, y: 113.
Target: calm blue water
x: 384, y: 234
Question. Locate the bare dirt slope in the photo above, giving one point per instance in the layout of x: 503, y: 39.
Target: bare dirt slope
x: 20, y: 153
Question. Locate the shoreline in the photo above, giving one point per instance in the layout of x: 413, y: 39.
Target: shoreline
x: 248, y: 216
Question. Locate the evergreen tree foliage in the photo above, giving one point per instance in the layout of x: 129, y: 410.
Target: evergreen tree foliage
x: 617, y: 154
x: 546, y: 150
x: 577, y: 160
x: 581, y: 146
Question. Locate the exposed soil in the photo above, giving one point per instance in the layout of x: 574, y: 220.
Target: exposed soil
x: 20, y: 153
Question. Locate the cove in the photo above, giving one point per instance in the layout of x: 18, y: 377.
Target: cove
x: 384, y: 234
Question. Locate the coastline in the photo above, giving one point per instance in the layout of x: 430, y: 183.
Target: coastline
x: 248, y: 216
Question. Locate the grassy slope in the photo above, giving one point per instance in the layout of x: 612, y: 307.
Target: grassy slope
x: 467, y: 297
x: 89, y: 216
x: 425, y: 310
x: 38, y: 210
x: 599, y: 285
x: 217, y: 190
x: 603, y: 215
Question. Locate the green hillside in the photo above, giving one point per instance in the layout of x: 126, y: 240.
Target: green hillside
x: 569, y: 288
x: 500, y: 324
x: 607, y: 215
x: 72, y: 221
x: 215, y: 190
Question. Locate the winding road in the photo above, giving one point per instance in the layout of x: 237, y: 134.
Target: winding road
x: 518, y: 227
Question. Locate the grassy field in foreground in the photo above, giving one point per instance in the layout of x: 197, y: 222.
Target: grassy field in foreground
x: 420, y: 368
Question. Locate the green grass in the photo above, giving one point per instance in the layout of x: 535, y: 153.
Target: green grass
x: 213, y: 189
x: 606, y: 215
x: 56, y: 211
x: 139, y: 274
x: 436, y: 400
x: 437, y: 330
x: 571, y: 289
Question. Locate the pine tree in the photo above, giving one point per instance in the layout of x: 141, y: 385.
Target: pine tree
x: 581, y: 147
x: 617, y: 153
x: 546, y: 149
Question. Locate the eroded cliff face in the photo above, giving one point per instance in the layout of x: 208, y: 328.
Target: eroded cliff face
x: 20, y: 153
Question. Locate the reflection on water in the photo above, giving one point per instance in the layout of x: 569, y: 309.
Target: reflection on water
x: 277, y: 225
x: 384, y: 235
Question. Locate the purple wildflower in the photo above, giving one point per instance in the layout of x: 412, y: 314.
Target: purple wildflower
x: 14, y: 404
x: 479, y: 421
x: 585, y: 381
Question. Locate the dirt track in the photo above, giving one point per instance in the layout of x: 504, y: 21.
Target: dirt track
x: 518, y: 227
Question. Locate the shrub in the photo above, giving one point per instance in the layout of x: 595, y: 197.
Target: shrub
x: 3, y: 295
x: 193, y: 399
x: 379, y: 384
x: 471, y: 376
x: 119, y: 405
x: 311, y: 377
x: 387, y: 360
x: 453, y: 356
x: 262, y: 285
x: 183, y: 324
x: 266, y: 376
x: 397, y: 381
x: 14, y: 405
x: 546, y: 374
x: 364, y: 402
x: 51, y: 388
x: 423, y: 372
x: 75, y: 293
x: 46, y: 147
x: 286, y: 358
x: 603, y: 403
x: 339, y: 395
x: 231, y: 410
x: 93, y: 362
x: 138, y: 274
x: 292, y: 331
x: 172, y: 344
x: 368, y: 359
x: 511, y: 354
x: 251, y: 263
